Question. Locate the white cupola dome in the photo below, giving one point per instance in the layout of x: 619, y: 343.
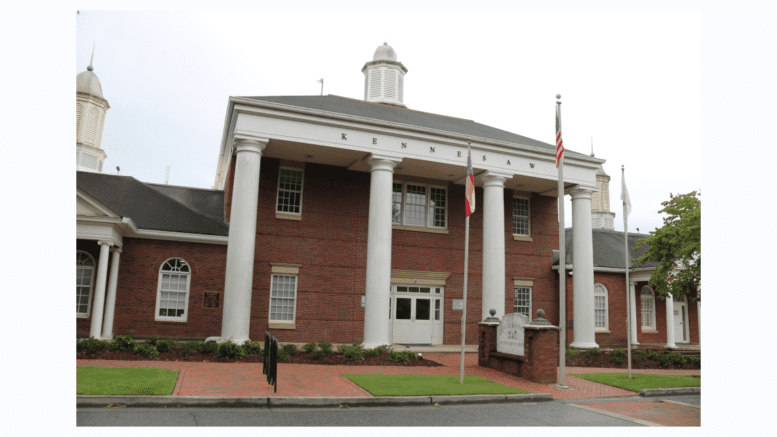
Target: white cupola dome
x: 601, y: 217
x: 91, y: 107
x: 384, y: 77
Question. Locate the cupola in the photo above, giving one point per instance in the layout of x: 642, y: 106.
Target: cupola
x: 601, y: 217
x: 384, y: 77
x: 91, y: 107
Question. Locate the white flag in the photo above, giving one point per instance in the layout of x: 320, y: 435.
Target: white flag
x: 625, y: 196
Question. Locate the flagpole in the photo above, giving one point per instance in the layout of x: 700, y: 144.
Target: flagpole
x: 466, y: 263
x: 628, y: 291
x: 562, y: 261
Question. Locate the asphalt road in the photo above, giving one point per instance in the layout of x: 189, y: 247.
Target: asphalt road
x: 556, y: 413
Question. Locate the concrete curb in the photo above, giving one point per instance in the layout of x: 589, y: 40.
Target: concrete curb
x: 302, y: 402
x: 651, y: 392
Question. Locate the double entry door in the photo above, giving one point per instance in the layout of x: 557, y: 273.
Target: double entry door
x: 416, y: 314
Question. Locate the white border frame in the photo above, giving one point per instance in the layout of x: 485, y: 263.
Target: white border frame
x: 278, y: 190
x: 296, y: 296
x: 435, y: 323
x: 531, y: 303
x: 528, y: 199
x: 185, y: 317
x: 642, y: 322
x: 91, y: 288
x: 427, y: 214
x: 606, y: 309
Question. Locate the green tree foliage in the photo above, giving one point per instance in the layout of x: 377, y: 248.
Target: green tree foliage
x: 677, y: 246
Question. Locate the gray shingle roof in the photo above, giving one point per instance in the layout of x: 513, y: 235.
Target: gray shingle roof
x: 608, y: 248
x: 395, y: 114
x: 155, y: 207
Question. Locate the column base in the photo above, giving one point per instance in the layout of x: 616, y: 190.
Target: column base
x: 670, y: 346
x: 374, y: 345
x: 584, y: 345
x: 237, y: 341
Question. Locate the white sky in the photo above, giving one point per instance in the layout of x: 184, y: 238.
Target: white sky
x: 168, y: 75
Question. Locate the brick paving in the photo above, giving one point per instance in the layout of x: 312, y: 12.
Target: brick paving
x: 662, y: 413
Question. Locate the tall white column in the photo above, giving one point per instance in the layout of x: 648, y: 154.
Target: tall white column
x: 99, y: 290
x: 110, y: 302
x: 633, y: 310
x: 493, y: 243
x: 670, y: 321
x: 376, y: 308
x: 236, y: 318
x: 583, y: 265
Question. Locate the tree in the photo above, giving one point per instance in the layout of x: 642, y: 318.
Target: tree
x: 677, y: 246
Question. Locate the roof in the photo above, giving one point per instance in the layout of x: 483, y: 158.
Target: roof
x: 608, y: 248
x: 395, y: 114
x: 157, y: 207
x: 87, y: 82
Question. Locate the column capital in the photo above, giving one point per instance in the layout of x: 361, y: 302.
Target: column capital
x: 582, y: 192
x: 383, y: 162
x: 494, y: 178
x: 116, y: 249
x: 248, y: 142
x: 105, y: 243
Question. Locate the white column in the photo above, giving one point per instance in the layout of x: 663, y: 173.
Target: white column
x: 378, y: 286
x: 99, y: 290
x: 110, y: 302
x: 242, y: 239
x: 583, y: 269
x: 493, y: 243
x: 670, y: 321
x: 633, y: 310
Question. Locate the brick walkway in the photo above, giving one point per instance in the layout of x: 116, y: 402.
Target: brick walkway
x: 662, y: 413
x: 304, y: 380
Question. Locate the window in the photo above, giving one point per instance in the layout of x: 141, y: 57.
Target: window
x: 601, y: 318
x: 419, y: 205
x: 648, y: 302
x: 84, y: 282
x: 289, y: 191
x: 521, y: 220
x: 283, y: 298
x: 172, y: 301
x: 522, y: 301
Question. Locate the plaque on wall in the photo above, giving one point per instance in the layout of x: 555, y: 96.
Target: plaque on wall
x: 458, y: 304
x: 211, y: 299
x: 509, y: 334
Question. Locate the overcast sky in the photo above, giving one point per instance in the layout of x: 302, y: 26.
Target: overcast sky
x: 167, y: 77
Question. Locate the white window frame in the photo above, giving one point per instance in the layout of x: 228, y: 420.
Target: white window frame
x: 294, y: 306
x: 528, y: 201
x: 652, y: 322
x: 91, y: 286
x: 515, y: 307
x: 278, y: 190
x: 606, y: 308
x: 428, y: 216
x: 185, y: 316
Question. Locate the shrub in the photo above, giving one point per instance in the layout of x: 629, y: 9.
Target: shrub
x: 309, y: 348
x: 382, y: 349
x: 153, y: 340
x: 318, y: 354
x: 695, y: 361
x: 166, y: 345
x: 229, y: 349
x: 371, y: 352
x: 353, y: 352
x: 663, y: 359
x: 209, y: 347
x: 591, y: 353
x: 93, y: 345
x: 252, y: 348
x: 400, y: 357
x: 653, y: 355
x: 326, y: 347
x: 147, y: 350
x: 572, y: 352
x: 283, y: 355
x: 190, y: 347
x: 123, y: 343
x: 616, y: 356
x: 677, y: 359
x: 290, y: 349
x: 639, y: 355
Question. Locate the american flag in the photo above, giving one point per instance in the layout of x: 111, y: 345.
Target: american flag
x: 559, y: 141
x: 470, y: 188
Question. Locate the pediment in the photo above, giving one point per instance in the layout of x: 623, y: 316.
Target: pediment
x: 86, y: 205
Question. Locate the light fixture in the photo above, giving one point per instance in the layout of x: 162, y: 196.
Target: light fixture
x: 420, y: 357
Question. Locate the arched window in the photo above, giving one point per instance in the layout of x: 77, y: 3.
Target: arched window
x: 84, y: 283
x: 601, y: 317
x: 648, y: 302
x: 172, y: 298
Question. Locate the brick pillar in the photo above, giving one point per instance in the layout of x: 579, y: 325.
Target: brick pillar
x: 541, y: 340
x: 487, y: 339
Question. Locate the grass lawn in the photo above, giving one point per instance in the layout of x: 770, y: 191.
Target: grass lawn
x: 124, y: 381
x: 428, y: 385
x: 640, y: 381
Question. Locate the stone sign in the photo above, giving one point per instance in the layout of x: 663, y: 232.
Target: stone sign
x: 458, y: 304
x: 509, y: 334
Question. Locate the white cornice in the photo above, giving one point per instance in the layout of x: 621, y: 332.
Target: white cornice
x: 610, y: 269
x: 179, y: 236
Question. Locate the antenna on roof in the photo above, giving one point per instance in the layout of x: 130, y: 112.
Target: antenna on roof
x: 167, y: 175
x: 321, y: 81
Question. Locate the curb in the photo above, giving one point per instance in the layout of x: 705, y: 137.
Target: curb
x: 303, y: 402
x: 651, y: 392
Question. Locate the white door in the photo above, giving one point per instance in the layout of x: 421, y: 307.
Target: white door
x: 403, y: 320
x: 680, y: 322
x: 422, y: 320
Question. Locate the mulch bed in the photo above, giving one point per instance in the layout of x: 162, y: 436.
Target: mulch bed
x: 603, y: 361
x: 301, y: 358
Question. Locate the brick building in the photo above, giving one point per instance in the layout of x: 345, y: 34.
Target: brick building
x: 330, y: 219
